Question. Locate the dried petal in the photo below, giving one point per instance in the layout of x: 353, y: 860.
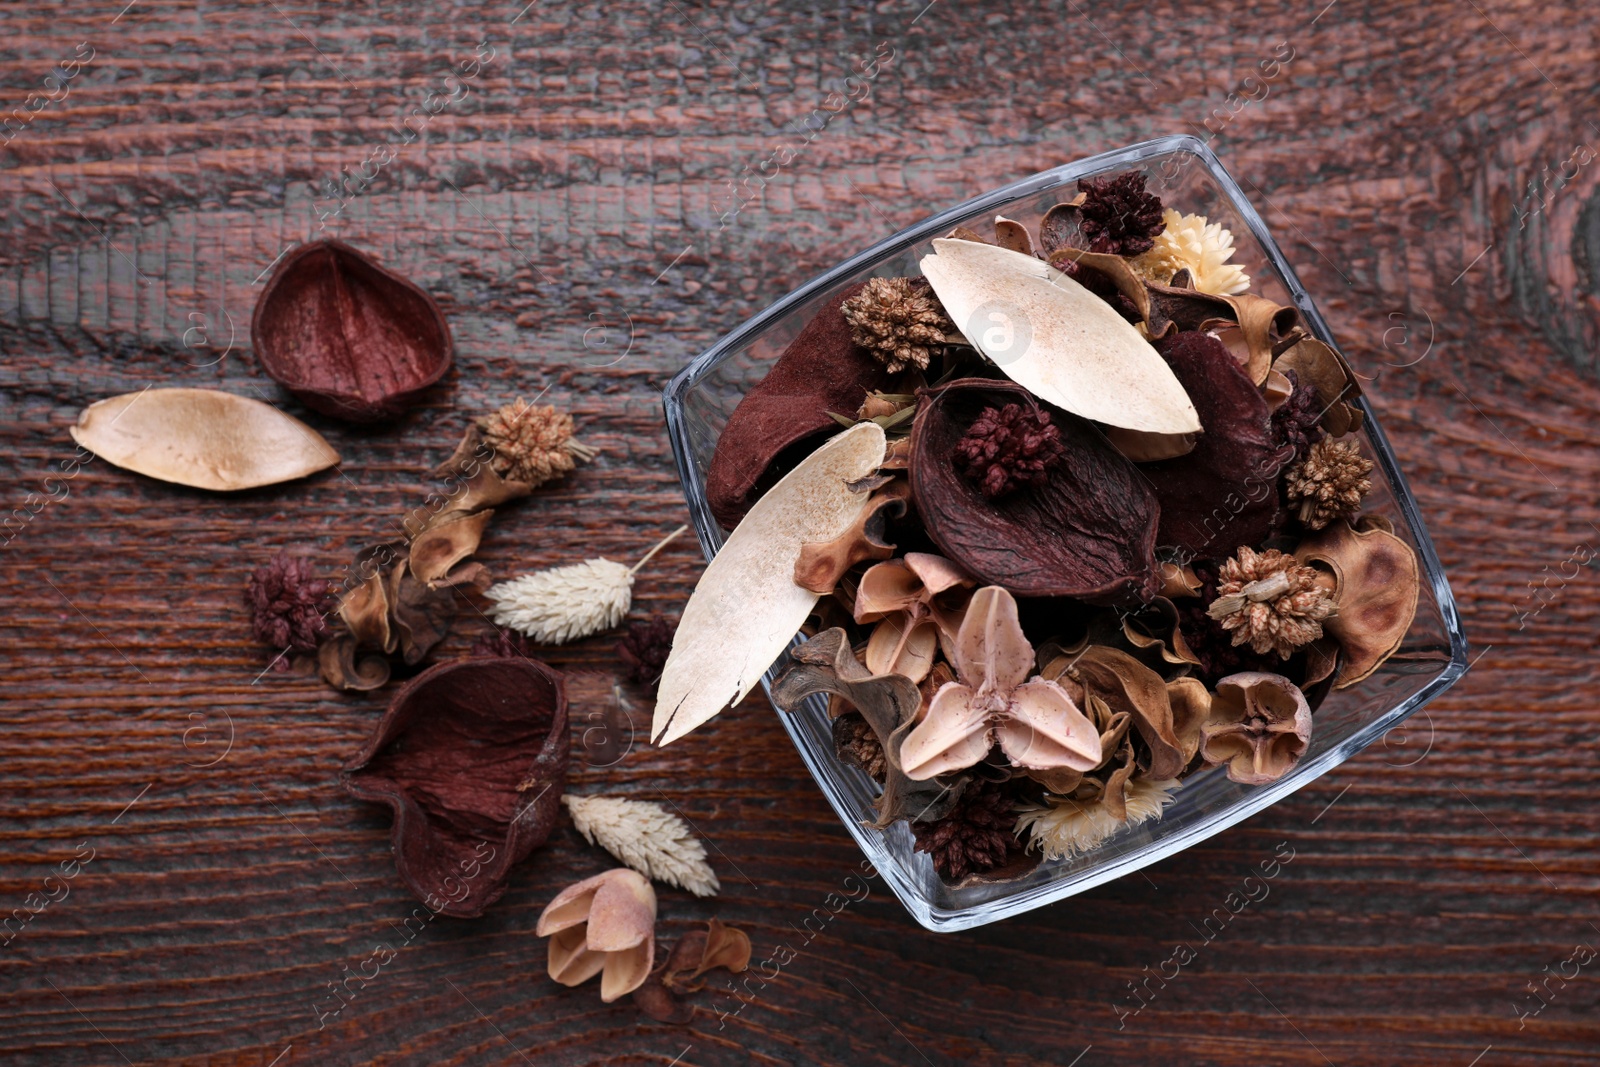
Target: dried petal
x: 1089, y: 531
x: 447, y: 541
x: 1324, y: 370
x: 202, y: 438
x: 336, y: 659
x: 422, y: 615
x: 746, y: 607
x: 472, y: 758
x: 900, y: 646
x: 1126, y: 685
x: 1078, y: 354
x: 347, y: 337
x: 822, y: 564
x: 786, y: 414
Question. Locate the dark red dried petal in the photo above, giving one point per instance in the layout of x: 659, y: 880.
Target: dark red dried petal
x: 472, y: 759
x: 1088, y: 530
x: 347, y: 337
x: 1224, y: 493
x: 785, y: 416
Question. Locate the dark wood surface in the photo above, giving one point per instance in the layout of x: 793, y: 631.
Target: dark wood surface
x: 564, y: 212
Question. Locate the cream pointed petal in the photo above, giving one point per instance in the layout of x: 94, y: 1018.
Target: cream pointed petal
x: 1044, y: 730
x: 626, y: 971
x: 953, y: 736
x: 572, y: 962
x: 570, y: 907
x: 624, y: 911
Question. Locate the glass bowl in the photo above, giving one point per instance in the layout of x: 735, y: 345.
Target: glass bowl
x: 1187, y: 176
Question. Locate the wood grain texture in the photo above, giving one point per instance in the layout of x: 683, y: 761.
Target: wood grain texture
x: 565, y: 214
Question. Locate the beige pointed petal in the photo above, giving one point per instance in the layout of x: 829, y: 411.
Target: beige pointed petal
x: 937, y: 573
x: 1056, y: 339
x: 991, y: 649
x: 747, y: 608
x: 1044, y: 730
x: 886, y: 587
x: 570, y: 907
x: 953, y: 736
x: 623, y: 913
x: 626, y: 971
x: 571, y: 961
x: 203, y: 438
x: 893, y: 650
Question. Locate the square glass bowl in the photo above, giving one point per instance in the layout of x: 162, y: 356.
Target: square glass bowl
x: 1188, y: 177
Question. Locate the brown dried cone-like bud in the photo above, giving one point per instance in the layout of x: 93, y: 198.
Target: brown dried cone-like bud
x: 1007, y: 447
x: 1117, y: 215
x: 975, y: 837
x: 288, y: 607
x: 532, y: 443
x: 1328, y: 483
x: 1270, y: 601
x: 858, y: 746
x: 898, y: 320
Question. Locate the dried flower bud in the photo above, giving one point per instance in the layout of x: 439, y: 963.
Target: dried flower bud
x: 1329, y: 483
x: 288, y: 607
x: 858, y: 746
x: 1007, y: 447
x: 1270, y: 602
x: 644, y: 648
x: 1296, y: 420
x: 1118, y: 215
x: 898, y: 320
x: 532, y: 443
x: 975, y: 837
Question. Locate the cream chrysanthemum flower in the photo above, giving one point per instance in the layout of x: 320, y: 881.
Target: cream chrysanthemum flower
x: 1065, y: 828
x: 1204, y: 248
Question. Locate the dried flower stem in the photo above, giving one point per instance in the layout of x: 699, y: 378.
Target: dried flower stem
x: 663, y: 543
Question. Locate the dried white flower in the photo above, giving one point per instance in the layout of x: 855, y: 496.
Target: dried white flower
x: 648, y: 838
x: 1065, y: 828
x: 562, y: 604
x: 1203, y: 248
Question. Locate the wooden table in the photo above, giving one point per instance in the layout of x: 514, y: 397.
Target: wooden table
x: 1426, y: 168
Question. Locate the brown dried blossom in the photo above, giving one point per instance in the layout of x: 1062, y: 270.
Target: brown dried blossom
x: 532, y: 443
x: 1008, y: 447
x: 1118, y: 215
x: 1259, y: 725
x: 288, y: 607
x: 976, y: 835
x: 898, y: 320
x: 1329, y: 483
x: 1270, y: 602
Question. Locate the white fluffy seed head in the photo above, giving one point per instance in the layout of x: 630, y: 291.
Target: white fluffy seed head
x: 564, y: 603
x: 1065, y: 828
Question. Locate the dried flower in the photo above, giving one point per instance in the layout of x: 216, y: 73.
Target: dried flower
x: 648, y: 838
x: 1328, y: 483
x: 858, y: 746
x: 287, y: 606
x: 1296, y: 421
x: 471, y: 757
x: 644, y: 648
x: 1202, y: 248
x: 1259, y: 725
x: 683, y: 971
x: 975, y: 837
x: 346, y: 336
x: 1270, y: 602
x: 1007, y: 447
x: 532, y: 443
x: 1063, y: 828
x: 1376, y: 582
x: 898, y: 320
x: 604, y: 925
x: 498, y: 643
x: 562, y: 604
x: 1035, y: 723
x: 1118, y: 215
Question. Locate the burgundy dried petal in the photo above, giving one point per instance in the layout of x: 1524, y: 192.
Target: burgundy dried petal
x: 1296, y: 420
x: 1087, y: 531
x: 786, y: 413
x: 472, y: 759
x: 347, y: 337
x: 1224, y: 493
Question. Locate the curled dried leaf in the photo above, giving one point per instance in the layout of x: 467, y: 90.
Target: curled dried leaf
x: 1126, y: 685
x: 202, y: 438
x: 746, y: 606
x: 447, y: 541
x: 337, y: 660
x: 1323, y: 369
x: 1375, y: 583
x: 1087, y: 531
x: 1009, y: 233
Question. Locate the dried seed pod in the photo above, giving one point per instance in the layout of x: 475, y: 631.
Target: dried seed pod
x: 347, y: 337
x: 472, y: 758
x: 604, y: 925
x: 202, y: 438
x: 1375, y: 582
x: 1259, y: 724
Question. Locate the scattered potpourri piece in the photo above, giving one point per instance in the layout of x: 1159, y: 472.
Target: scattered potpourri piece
x: 1087, y: 565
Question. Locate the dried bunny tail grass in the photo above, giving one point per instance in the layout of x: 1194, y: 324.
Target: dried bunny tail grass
x: 646, y: 837
x: 1065, y: 828
x: 562, y: 604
